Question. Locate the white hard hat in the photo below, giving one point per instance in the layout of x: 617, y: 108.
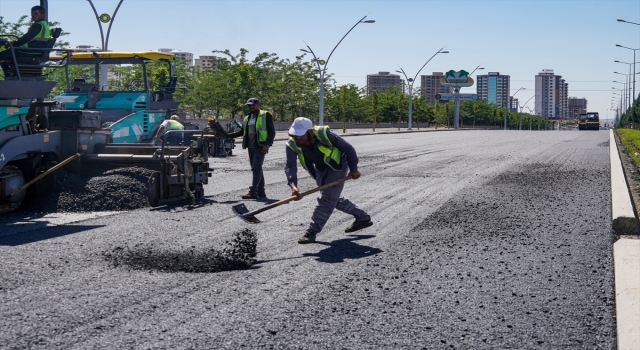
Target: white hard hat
x: 300, y: 126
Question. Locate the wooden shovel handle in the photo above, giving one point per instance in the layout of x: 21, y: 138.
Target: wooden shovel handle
x: 287, y: 200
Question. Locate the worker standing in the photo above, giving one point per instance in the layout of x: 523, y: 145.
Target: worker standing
x: 257, y: 134
x: 36, y: 37
x: 173, y: 138
x: 328, y: 158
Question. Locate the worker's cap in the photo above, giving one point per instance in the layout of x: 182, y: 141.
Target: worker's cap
x: 300, y: 126
x: 175, y: 117
x: 253, y: 101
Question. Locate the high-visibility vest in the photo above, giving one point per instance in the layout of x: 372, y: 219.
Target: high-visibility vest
x: 332, y: 154
x: 44, y: 34
x: 261, y: 128
x: 174, y: 125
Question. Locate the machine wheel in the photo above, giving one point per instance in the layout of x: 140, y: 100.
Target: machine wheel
x: 11, y: 204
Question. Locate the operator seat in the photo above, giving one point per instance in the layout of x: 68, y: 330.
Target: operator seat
x: 30, y: 61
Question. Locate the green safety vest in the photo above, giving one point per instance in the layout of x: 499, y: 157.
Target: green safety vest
x: 174, y: 125
x: 261, y: 128
x: 43, y: 35
x: 332, y: 155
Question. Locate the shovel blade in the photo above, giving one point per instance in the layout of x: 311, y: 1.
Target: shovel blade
x: 241, y: 211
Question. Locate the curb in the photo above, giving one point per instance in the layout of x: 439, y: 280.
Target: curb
x: 626, y: 259
x: 624, y: 219
x: 626, y: 255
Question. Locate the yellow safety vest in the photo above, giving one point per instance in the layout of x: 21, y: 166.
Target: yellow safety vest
x: 261, y: 128
x: 332, y: 155
x: 43, y: 35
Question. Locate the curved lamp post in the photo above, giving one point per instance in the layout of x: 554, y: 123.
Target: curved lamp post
x: 622, y: 20
x: 322, y: 67
x: 507, y: 107
x: 104, y: 18
x: 626, y: 90
x: 521, y: 108
x: 628, y: 80
x: 413, y: 80
x: 634, y: 69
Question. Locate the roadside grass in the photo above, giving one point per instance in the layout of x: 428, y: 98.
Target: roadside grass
x: 630, y: 138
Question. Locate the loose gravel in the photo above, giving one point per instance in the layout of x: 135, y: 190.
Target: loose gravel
x: 114, y: 190
x: 239, y: 254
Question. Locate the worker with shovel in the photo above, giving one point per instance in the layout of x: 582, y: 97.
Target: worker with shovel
x: 327, y: 157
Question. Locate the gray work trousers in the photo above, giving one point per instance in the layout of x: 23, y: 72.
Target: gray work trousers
x: 256, y: 159
x: 331, y: 199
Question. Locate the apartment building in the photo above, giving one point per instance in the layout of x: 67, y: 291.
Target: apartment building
x: 552, y: 95
x: 430, y: 86
x: 495, y: 88
x: 383, y: 81
x: 187, y: 56
x: 577, y: 106
x: 513, y: 104
x: 207, y: 62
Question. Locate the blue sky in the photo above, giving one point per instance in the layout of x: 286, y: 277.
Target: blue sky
x: 518, y: 38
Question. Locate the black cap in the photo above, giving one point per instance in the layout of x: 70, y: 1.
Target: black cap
x: 253, y: 101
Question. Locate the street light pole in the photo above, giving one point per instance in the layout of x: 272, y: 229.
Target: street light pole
x: 634, y: 69
x: 323, y: 70
x: 507, y: 107
x: 628, y: 79
x: 520, y: 126
x: 105, y: 41
x: 410, y: 83
x: 625, y: 96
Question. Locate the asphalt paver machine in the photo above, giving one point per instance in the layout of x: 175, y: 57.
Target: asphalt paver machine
x: 36, y: 138
x: 132, y: 112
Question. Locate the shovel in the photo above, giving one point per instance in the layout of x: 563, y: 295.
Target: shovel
x: 249, y: 216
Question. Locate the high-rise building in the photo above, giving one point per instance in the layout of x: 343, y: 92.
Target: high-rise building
x: 577, y: 106
x: 210, y: 62
x: 513, y: 104
x: 187, y: 56
x: 430, y: 86
x: 383, y: 81
x: 552, y: 94
x: 494, y: 88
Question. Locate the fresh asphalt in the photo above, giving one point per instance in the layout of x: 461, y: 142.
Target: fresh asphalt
x: 482, y: 239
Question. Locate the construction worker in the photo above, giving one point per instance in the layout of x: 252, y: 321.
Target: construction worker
x: 36, y: 37
x: 257, y: 134
x: 174, y: 138
x: 328, y: 158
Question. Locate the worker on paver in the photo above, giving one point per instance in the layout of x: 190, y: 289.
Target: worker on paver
x: 174, y: 138
x: 328, y: 158
x: 37, y: 36
x: 257, y: 134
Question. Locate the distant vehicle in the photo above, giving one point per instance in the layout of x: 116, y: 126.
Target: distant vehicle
x: 589, y: 121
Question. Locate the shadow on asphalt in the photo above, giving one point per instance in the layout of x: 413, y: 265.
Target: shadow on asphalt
x: 336, y: 251
x: 186, y: 205
x: 342, y: 249
x: 44, y: 234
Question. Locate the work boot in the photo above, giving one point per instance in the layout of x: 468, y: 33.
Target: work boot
x: 250, y: 195
x: 308, y: 237
x: 262, y: 195
x: 358, y: 225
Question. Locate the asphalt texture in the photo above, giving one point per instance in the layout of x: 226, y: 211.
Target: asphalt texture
x: 114, y: 190
x: 481, y: 240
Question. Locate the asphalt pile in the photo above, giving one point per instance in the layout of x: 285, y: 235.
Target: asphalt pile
x: 113, y: 190
x: 240, y: 253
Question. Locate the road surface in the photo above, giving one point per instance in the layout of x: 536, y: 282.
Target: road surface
x: 482, y: 240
